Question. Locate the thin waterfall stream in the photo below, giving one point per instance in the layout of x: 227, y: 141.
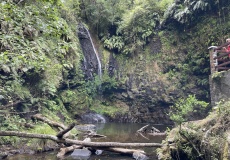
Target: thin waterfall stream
x: 95, y: 51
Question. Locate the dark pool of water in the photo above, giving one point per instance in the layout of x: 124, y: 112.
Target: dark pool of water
x: 114, y: 132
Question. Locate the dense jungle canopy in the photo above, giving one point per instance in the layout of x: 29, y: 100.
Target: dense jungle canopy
x: 153, y: 52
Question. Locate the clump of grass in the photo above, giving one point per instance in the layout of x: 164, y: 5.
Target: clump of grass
x: 39, y: 145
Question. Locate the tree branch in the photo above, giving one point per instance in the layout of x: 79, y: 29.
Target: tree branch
x: 63, y: 132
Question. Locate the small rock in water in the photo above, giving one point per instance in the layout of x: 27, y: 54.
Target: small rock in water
x: 139, y: 156
x: 98, y: 152
x: 82, y: 154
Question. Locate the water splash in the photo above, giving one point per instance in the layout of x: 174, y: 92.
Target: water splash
x: 95, y: 51
x: 93, y: 118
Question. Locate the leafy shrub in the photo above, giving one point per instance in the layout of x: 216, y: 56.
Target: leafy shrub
x: 184, y: 108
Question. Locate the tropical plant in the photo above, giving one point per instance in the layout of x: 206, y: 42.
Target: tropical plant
x: 184, y: 108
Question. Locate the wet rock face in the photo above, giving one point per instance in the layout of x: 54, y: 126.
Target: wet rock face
x: 145, y: 105
x: 148, y: 104
x: 146, y: 93
x: 144, y: 113
x: 113, y: 65
x: 148, y: 99
x: 90, y: 63
x: 220, y: 87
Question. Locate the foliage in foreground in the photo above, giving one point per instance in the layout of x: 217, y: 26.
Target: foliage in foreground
x: 184, y: 109
x: 205, y: 139
x: 38, y: 50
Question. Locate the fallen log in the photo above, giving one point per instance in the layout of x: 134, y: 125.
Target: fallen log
x: 64, y: 151
x: 124, y: 150
x: 143, y: 129
x: 157, y: 134
x: 77, y: 142
x: 49, y: 122
x: 155, y: 130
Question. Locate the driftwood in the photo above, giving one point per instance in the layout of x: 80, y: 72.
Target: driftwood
x: 77, y: 142
x: 109, y: 146
x: 125, y: 151
x: 64, y: 151
x: 143, y: 129
x: 49, y: 122
x: 155, y: 130
x: 157, y: 134
x: 63, y: 130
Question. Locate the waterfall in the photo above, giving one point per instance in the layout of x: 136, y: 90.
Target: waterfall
x: 93, y: 118
x: 98, y: 59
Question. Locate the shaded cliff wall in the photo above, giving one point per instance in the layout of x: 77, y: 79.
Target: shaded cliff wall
x: 219, y: 86
x: 143, y: 86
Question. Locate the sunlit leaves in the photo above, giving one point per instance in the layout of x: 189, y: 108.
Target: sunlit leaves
x: 184, y: 108
x: 137, y: 25
x: 35, y: 40
x: 183, y: 12
x: 114, y: 42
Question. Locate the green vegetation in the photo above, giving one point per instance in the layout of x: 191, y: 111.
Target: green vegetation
x: 159, y: 49
x: 37, y: 46
x: 203, y: 139
x: 10, y: 123
x: 184, y: 108
x: 109, y: 111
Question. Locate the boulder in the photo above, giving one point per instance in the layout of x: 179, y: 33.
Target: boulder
x: 82, y: 154
x: 139, y: 156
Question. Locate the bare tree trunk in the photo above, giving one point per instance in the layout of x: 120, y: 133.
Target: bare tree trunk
x: 77, y: 142
x: 66, y: 150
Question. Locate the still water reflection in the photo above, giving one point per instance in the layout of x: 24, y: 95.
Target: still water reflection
x: 115, y: 132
